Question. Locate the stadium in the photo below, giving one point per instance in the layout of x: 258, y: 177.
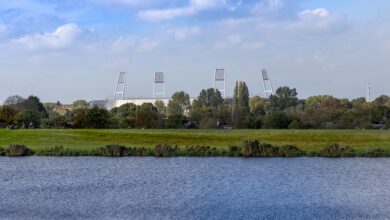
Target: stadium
x: 159, y: 90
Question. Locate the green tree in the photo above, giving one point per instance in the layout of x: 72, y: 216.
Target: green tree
x: 14, y: 100
x: 80, y: 104
x: 28, y: 119
x: 125, y: 115
x: 257, y: 105
x: 33, y: 104
x: 161, y: 108
x: 207, y: 109
x: 210, y: 98
x: 179, y: 104
x: 146, y: 116
x: 7, y: 116
x: 97, y: 118
x: 241, y: 105
x: 284, y: 98
x: 277, y: 120
x: 176, y: 121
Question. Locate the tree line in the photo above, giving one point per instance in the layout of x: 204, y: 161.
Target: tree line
x: 283, y: 110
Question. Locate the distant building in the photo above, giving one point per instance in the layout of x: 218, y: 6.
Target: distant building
x: 62, y: 109
x: 110, y: 103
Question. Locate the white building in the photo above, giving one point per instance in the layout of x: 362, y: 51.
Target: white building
x: 110, y: 103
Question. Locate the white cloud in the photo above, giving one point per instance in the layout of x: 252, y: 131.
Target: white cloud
x: 3, y: 29
x: 311, y: 21
x: 129, y: 3
x: 194, y: 7
x: 165, y: 14
x: 186, y: 32
x: 253, y: 45
x: 146, y: 45
x: 123, y: 43
x: 314, y: 13
x: 268, y: 5
x: 319, y: 20
x: 235, y: 39
x: 62, y: 37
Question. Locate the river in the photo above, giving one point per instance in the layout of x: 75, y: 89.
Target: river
x: 194, y: 188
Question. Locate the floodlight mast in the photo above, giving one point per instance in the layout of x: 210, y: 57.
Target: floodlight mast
x: 220, y: 76
x: 159, y: 85
x: 119, y: 93
x: 268, y: 89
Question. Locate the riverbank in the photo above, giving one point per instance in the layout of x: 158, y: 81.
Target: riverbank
x: 248, y: 148
x: 90, y: 139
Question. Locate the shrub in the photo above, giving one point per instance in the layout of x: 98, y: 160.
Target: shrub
x: 113, y: 150
x: 249, y: 148
x: 234, y: 151
x: 290, y: 151
x: 295, y: 125
x: 54, y: 151
x: 2, y: 152
x: 313, y: 153
x: 253, y: 148
x: 201, y: 151
x: 61, y: 151
x: 267, y: 150
x: 140, y: 152
x: 164, y: 150
x: 336, y: 150
x: 348, y: 152
x: 376, y: 152
x: 18, y: 150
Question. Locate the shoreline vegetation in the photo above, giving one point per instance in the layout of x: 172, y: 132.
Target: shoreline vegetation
x: 248, y: 148
x: 195, y: 142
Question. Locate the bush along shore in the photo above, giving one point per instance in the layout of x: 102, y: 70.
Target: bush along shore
x: 248, y: 148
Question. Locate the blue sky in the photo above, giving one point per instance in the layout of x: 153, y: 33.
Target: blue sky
x: 66, y: 50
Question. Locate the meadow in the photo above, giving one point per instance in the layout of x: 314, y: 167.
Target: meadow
x: 89, y: 139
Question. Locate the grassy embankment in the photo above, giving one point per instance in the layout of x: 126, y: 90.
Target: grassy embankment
x: 89, y: 139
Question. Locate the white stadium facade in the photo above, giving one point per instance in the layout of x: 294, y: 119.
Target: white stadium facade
x: 159, y: 90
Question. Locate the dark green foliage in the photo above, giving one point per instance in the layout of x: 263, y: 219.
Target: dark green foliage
x: 336, y: 150
x: 348, y: 152
x: 7, y: 116
x: 284, y: 98
x: 60, y: 151
x: 240, y: 106
x: 255, y: 122
x: 179, y: 103
x: 234, y: 151
x: 164, y: 150
x: 277, y: 120
x: 249, y: 148
x: 146, y: 115
x: 210, y: 98
x: 140, y: 152
x: 113, y: 150
x: 267, y: 150
x: 18, y: 150
x: 201, y: 151
x: 2, y: 151
x: 253, y: 148
x: 28, y: 119
x: 295, y: 124
x: 176, y: 121
x: 55, y: 122
x: 290, y: 151
x: 377, y: 152
x: 97, y: 118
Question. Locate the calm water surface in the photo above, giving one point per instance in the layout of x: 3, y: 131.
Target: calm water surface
x: 194, y: 188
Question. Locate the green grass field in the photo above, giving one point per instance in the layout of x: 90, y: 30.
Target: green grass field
x: 88, y: 139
